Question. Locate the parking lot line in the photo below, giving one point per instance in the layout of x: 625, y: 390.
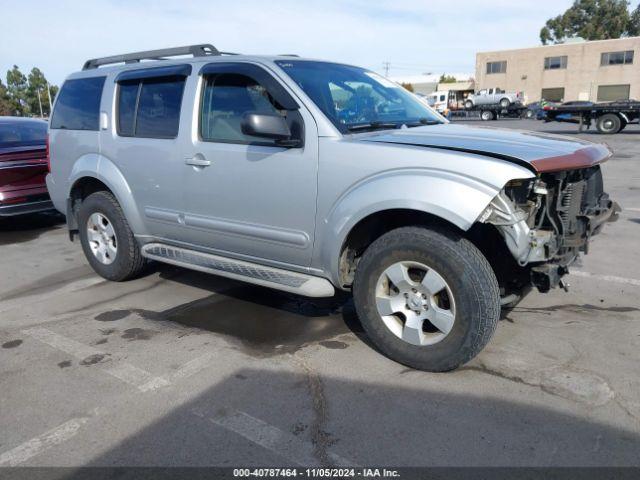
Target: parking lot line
x: 607, y: 278
x: 141, y: 379
x: 270, y: 437
x: 33, y: 447
x: 193, y: 366
x: 10, y: 304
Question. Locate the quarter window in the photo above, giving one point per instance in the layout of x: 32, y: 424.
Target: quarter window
x: 150, y: 107
x: 226, y: 99
x: 497, y: 67
x: 78, y: 105
x: 555, y: 63
x: 616, y: 58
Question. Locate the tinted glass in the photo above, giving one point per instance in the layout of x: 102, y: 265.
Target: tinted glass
x: 227, y: 97
x: 611, y: 93
x: 78, y: 104
x: 127, y: 96
x: 22, y: 133
x: 158, y: 113
x: 352, y: 97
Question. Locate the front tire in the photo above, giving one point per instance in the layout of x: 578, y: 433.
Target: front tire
x: 468, y: 104
x: 505, y: 102
x: 107, y: 239
x: 427, y: 298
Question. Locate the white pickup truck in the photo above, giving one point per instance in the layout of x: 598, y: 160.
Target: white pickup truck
x: 492, y: 96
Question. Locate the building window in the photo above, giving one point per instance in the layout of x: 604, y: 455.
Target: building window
x: 555, y: 63
x: 552, y: 94
x: 611, y: 93
x: 616, y: 58
x: 497, y: 67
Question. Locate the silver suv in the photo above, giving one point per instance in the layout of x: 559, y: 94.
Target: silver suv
x: 311, y: 177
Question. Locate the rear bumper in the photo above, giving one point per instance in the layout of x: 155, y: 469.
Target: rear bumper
x: 25, y: 200
x: 26, y: 207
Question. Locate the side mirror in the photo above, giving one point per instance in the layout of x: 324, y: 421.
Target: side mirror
x: 265, y: 125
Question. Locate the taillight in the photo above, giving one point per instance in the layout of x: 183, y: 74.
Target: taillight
x: 48, y: 154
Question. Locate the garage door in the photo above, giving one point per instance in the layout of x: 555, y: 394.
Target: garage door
x: 609, y: 93
x: 553, y: 94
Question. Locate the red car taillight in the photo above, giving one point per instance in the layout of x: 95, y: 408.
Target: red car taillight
x: 48, y: 154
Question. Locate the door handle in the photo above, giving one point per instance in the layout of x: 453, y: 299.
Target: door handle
x: 197, y: 161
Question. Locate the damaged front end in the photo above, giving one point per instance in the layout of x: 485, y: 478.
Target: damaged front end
x: 548, y: 220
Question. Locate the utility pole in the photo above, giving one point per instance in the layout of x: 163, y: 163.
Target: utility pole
x: 387, y: 67
x: 40, y: 103
x: 49, y: 92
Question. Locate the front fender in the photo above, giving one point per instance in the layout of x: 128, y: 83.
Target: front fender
x: 453, y: 197
x: 101, y: 168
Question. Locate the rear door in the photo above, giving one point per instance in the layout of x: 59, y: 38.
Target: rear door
x: 144, y: 143
x: 248, y: 196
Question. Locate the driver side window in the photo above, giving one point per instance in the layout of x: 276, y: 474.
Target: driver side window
x: 227, y: 97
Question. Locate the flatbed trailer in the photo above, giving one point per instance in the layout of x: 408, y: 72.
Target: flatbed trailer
x: 609, y: 118
x: 495, y: 111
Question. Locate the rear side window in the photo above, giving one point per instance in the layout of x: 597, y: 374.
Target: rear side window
x: 78, y: 104
x: 150, y: 108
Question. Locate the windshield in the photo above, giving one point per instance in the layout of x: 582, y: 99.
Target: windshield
x: 355, y: 99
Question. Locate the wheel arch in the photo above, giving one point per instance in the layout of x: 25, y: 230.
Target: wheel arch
x: 91, y: 175
x: 379, y: 205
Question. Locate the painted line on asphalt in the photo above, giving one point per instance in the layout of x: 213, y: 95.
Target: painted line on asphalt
x: 272, y: 438
x: 39, y: 444
x: 141, y: 379
x: 39, y: 298
x: 607, y: 278
x: 193, y: 366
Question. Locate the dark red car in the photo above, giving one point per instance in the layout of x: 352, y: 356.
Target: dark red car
x: 23, y: 166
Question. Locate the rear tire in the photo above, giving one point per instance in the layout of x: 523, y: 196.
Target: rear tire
x: 529, y: 114
x: 469, y: 299
x: 609, y: 123
x: 107, y: 239
x: 505, y: 102
x: 487, y: 115
x: 468, y: 104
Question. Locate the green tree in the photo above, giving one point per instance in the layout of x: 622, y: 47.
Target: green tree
x: 592, y: 20
x: 447, y: 79
x: 17, y: 88
x: 5, y: 101
x: 634, y: 23
x: 37, y: 85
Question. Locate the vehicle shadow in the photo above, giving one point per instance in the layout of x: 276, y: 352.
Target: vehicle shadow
x: 260, y: 318
x: 22, y: 228
x: 267, y: 418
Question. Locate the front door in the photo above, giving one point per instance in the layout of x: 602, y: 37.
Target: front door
x: 250, y: 197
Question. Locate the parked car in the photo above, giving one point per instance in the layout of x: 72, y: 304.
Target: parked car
x: 248, y: 167
x: 492, y: 96
x: 23, y: 166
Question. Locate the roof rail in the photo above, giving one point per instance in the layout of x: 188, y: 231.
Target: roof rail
x: 201, y: 50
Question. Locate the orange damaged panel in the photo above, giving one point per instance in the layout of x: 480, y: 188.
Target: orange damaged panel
x: 582, y: 158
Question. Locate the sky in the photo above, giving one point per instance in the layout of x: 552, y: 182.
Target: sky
x: 428, y: 36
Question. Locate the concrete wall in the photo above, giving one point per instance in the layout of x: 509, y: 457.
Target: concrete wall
x: 525, y: 69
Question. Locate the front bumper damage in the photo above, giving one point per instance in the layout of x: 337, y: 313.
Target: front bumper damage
x: 548, y: 221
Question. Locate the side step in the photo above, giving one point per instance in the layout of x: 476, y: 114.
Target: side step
x: 277, y: 278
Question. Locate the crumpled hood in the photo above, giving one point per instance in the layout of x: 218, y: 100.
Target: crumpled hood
x: 538, y: 151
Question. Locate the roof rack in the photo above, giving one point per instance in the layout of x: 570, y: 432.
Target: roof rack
x: 201, y: 50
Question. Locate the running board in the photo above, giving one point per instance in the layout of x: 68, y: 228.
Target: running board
x: 277, y: 278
